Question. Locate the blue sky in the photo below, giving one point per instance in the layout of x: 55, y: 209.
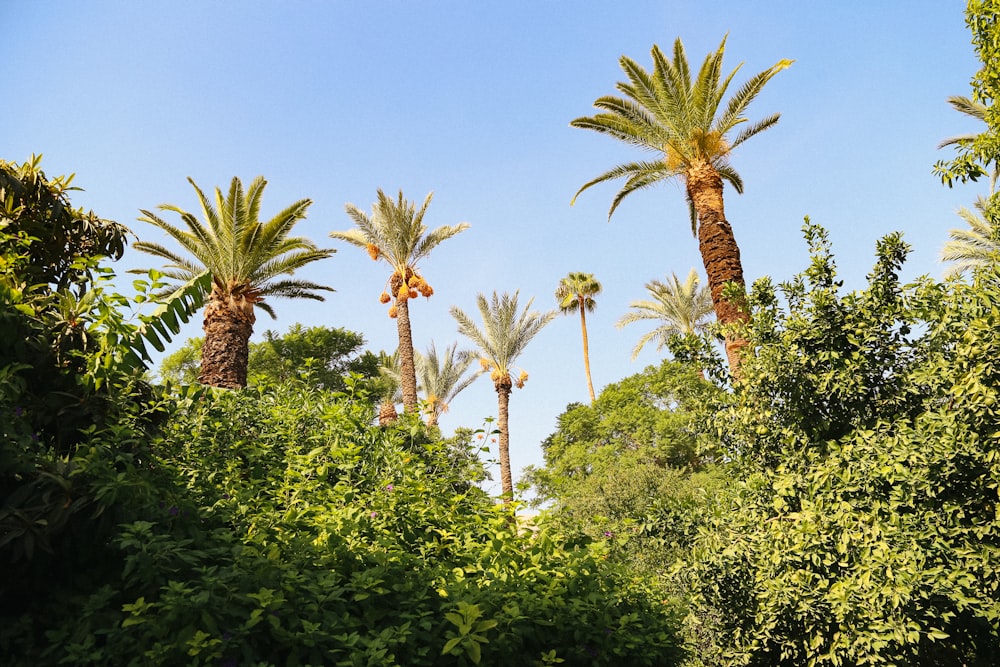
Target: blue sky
x: 472, y: 100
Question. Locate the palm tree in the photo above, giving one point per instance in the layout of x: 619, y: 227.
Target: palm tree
x: 680, y: 308
x: 576, y: 292
x: 977, y: 246
x: 244, y: 257
x: 502, y: 339
x: 395, y: 232
x: 680, y: 120
x: 441, y: 378
x: 976, y: 110
x: 387, y: 388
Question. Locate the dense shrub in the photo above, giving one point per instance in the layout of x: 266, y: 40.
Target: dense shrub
x: 295, y: 533
x: 864, y: 530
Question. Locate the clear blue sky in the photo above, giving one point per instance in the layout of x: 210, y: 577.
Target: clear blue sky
x: 472, y: 100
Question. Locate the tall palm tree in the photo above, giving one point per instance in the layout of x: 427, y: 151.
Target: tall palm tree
x: 576, y: 292
x: 443, y: 378
x: 244, y: 256
x: 505, y: 334
x: 395, y: 232
x: 680, y: 308
x: 977, y: 246
x: 973, y: 109
x: 682, y: 121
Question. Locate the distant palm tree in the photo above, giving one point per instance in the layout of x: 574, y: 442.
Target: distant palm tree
x: 443, y: 378
x: 681, y: 121
x: 976, y: 110
x: 680, y: 308
x: 505, y: 334
x: 576, y: 292
x: 973, y: 247
x: 395, y: 232
x: 244, y: 257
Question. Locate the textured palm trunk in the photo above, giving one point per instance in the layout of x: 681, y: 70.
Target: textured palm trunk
x: 407, y: 368
x: 586, y: 350
x: 503, y: 387
x: 719, y: 252
x: 387, y: 414
x: 225, y: 353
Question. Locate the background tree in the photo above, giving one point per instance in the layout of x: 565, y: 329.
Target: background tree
x: 443, y: 378
x: 245, y: 257
x: 576, y: 292
x: 504, y: 336
x: 680, y: 308
x: 183, y: 365
x: 395, y: 232
x: 683, y: 122
x: 326, y: 355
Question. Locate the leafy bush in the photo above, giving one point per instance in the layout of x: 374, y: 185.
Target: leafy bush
x: 295, y: 533
x: 864, y: 530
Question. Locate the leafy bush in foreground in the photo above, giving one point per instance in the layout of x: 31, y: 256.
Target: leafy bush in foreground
x: 295, y: 533
x: 864, y: 531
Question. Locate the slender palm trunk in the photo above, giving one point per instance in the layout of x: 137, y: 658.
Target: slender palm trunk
x: 407, y: 367
x: 226, y: 351
x: 719, y: 252
x: 503, y: 388
x: 586, y: 350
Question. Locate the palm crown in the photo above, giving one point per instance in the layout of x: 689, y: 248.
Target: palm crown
x: 505, y: 333
x: 243, y: 254
x: 442, y: 377
x: 976, y: 246
x: 575, y: 288
x: 395, y: 232
x: 664, y: 111
x: 681, y: 308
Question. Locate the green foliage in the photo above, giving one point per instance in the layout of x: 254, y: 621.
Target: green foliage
x: 648, y: 418
x: 979, y: 155
x: 35, y: 207
x: 285, y: 530
x: 325, y: 357
x: 631, y: 469
x: 325, y: 354
x: 863, y: 530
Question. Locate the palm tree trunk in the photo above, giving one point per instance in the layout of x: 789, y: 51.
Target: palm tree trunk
x: 503, y: 387
x: 387, y: 412
x: 407, y: 368
x: 719, y: 252
x: 226, y: 351
x: 586, y: 350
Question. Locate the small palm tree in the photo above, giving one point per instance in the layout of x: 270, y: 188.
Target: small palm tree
x: 387, y: 388
x: 680, y: 308
x: 505, y: 334
x: 973, y: 247
x: 443, y: 378
x: 395, y: 232
x: 244, y: 256
x: 576, y: 292
x: 684, y: 123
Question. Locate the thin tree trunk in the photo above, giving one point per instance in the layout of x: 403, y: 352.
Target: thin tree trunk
x: 407, y: 368
x: 503, y: 388
x: 586, y: 350
x: 226, y: 351
x: 719, y: 253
